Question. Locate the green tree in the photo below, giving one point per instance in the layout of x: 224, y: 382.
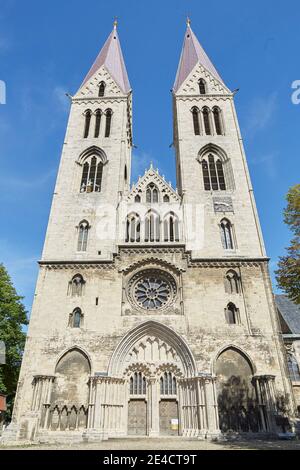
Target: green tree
x: 288, y: 272
x: 12, y: 318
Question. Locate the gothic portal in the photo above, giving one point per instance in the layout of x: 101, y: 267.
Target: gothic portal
x: 153, y: 312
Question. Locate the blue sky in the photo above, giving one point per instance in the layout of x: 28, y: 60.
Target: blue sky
x: 46, y: 48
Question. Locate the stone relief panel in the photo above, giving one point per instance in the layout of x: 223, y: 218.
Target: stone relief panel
x: 223, y: 204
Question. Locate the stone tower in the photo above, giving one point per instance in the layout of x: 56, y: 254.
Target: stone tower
x: 153, y: 312
x: 96, y: 158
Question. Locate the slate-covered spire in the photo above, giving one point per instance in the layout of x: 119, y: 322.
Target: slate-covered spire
x: 111, y: 58
x: 191, y: 54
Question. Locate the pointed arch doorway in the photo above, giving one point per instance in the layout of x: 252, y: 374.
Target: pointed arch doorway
x: 152, y: 388
x: 153, y: 359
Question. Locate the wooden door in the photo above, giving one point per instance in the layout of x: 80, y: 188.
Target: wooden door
x: 168, y: 418
x: 137, y: 418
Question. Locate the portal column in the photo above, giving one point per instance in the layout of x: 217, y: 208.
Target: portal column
x: 153, y: 406
x: 265, y: 387
x: 211, y: 406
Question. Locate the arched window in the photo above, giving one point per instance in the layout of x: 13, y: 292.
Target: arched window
x: 98, y: 121
x: 137, y: 198
x: 231, y: 314
x: 166, y: 198
x: 152, y: 227
x: 133, y: 228
x: 152, y: 193
x: 75, y: 320
x: 216, y: 167
x: 168, y: 385
x: 83, y: 231
x: 76, y: 285
x: 213, y: 173
x: 206, y: 120
x: 202, y: 86
x: 232, y: 282
x: 226, y: 234
x: 108, y: 114
x: 91, y: 179
x: 218, y: 120
x: 137, y: 384
x: 293, y: 368
x: 88, y: 115
x: 101, y: 89
x: 195, y: 113
x: 171, y: 228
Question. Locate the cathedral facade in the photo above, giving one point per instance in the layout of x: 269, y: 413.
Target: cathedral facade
x: 153, y: 313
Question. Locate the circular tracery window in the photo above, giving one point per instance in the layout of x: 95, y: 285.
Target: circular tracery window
x: 152, y: 289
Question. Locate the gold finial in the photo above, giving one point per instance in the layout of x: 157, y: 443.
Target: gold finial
x: 188, y: 21
x: 115, y: 22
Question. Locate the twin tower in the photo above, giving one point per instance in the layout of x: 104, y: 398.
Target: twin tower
x: 153, y: 313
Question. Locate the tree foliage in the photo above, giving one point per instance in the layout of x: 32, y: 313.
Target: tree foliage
x: 288, y: 272
x: 12, y: 318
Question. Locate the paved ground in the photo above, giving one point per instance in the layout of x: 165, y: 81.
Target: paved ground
x: 167, y: 444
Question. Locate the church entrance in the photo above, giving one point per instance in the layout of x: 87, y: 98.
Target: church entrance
x: 161, y: 388
x: 168, y: 418
x: 137, y: 418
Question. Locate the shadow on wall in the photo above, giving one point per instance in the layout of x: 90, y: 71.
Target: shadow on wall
x: 237, y: 402
x: 238, y: 409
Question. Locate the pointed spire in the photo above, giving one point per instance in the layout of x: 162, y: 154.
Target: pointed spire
x: 191, y: 54
x: 111, y: 58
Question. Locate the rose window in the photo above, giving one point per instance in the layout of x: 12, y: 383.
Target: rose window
x: 152, y: 289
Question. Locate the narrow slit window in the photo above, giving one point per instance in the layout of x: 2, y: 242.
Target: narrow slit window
x: 108, y: 122
x: 88, y: 115
x: 217, y: 120
x: 101, y: 89
x: 195, y: 113
x: 202, y: 86
x: 98, y: 122
x: 206, y: 120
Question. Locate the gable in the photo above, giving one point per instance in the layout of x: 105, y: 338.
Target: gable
x: 190, y: 85
x: 152, y: 176
x: 91, y: 87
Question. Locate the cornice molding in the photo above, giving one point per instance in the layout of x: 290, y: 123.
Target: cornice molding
x: 147, y: 250
x: 97, y: 100
x: 221, y: 263
x: 204, y: 97
x: 78, y: 264
x: 154, y: 249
